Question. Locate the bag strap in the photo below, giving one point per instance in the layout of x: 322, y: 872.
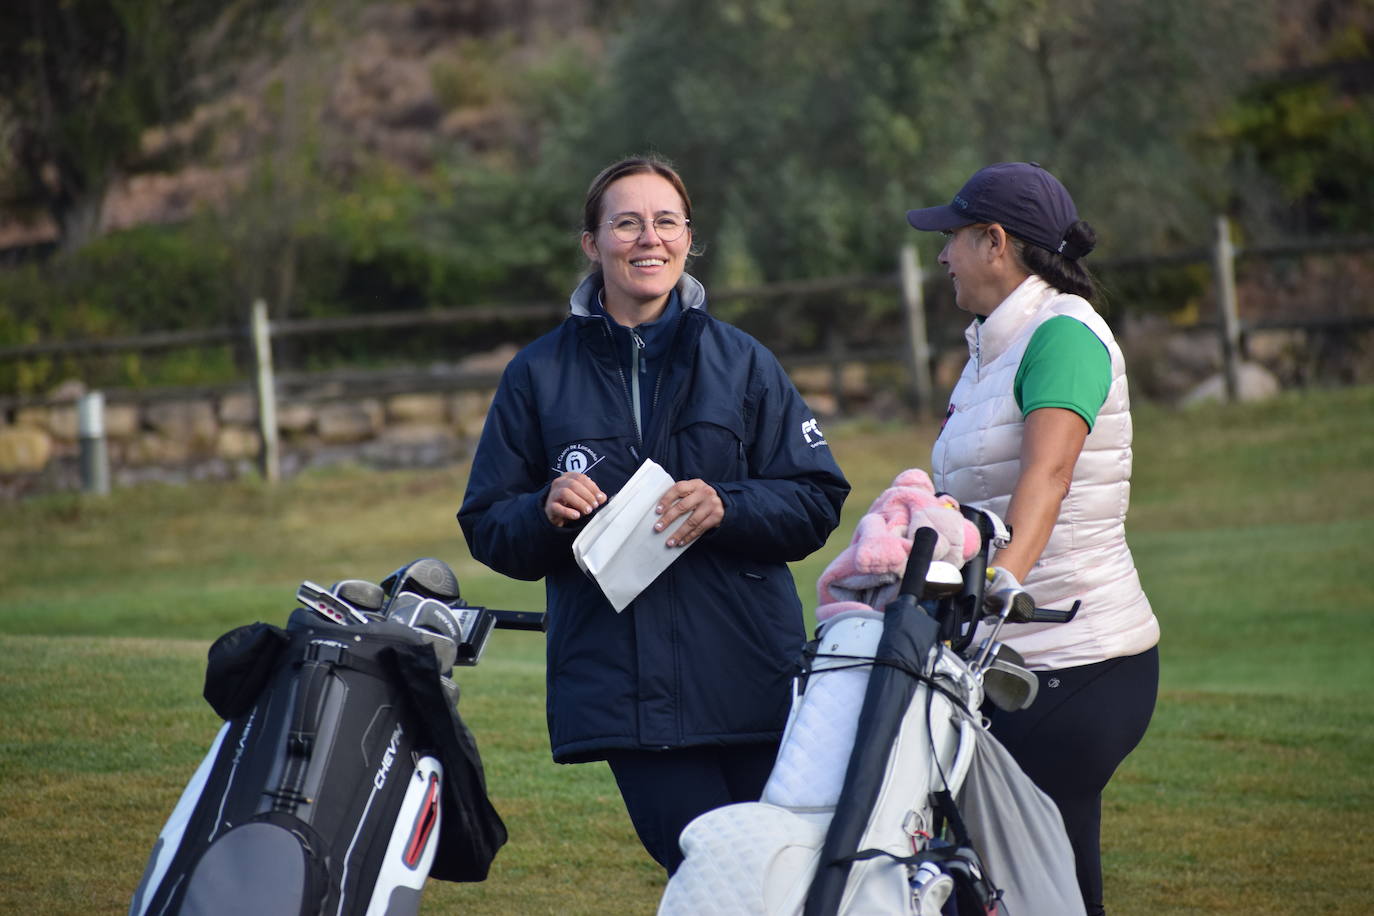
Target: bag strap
x: 944, y: 807
x: 320, y: 660
x: 933, y: 854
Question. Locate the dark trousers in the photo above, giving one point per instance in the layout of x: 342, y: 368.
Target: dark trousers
x: 1083, y: 723
x: 664, y: 790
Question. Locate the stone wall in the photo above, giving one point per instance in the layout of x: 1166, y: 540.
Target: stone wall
x: 217, y: 436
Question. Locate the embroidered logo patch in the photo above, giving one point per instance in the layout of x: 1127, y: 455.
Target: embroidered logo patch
x: 578, y: 458
x: 811, y: 432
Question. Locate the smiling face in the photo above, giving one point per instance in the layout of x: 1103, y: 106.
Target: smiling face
x: 969, y: 256
x: 640, y: 274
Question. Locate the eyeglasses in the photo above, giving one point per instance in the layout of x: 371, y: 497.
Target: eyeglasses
x: 667, y: 226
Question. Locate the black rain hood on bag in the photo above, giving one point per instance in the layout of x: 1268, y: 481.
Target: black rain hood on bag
x: 241, y: 663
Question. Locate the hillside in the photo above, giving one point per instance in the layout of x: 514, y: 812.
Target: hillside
x: 395, y: 82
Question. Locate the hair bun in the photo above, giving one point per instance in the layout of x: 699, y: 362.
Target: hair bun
x: 1079, y: 240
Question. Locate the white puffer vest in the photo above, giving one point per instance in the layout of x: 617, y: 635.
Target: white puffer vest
x: 976, y: 459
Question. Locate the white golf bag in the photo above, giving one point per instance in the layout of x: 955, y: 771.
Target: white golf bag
x: 859, y: 814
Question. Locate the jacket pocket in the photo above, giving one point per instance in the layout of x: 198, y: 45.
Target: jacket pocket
x: 709, y: 442
x: 584, y: 443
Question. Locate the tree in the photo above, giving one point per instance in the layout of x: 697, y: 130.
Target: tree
x: 798, y: 124
x: 1118, y: 98
x: 810, y: 126
x: 82, y: 80
x: 1302, y: 136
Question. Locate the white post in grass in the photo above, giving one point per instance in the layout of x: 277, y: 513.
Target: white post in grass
x: 1224, y: 266
x: 267, y: 393
x: 914, y: 308
x: 94, y: 455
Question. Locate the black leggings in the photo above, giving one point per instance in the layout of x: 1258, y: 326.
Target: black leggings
x: 1083, y: 723
x: 664, y: 790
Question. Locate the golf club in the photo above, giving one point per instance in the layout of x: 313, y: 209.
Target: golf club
x: 363, y: 595
x: 435, y: 621
x: 1006, y: 682
x: 427, y: 576
x: 329, y: 606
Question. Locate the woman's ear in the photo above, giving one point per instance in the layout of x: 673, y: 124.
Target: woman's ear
x: 998, y: 241
x: 589, y: 247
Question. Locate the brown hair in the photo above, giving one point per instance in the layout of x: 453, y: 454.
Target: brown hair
x: 635, y: 165
x: 1068, y: 275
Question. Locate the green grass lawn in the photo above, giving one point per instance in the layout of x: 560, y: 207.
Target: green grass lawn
x: 1252, y: 792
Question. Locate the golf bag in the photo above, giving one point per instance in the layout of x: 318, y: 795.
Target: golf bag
x: 862, y: 811
x: 342, y: 777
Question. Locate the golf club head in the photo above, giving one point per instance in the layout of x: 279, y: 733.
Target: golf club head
x: 427, y: 576
x: 1011, y: 604
x: 328, y: 605
x: 942, y: 579
x: 435, y: 621
x: 1007, y: 683
x: 363, y: 595
x: 999, y: 607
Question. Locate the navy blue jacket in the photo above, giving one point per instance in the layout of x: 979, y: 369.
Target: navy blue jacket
x: 705, y: 654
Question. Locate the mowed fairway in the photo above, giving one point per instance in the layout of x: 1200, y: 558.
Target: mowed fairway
x: 1253, y: 792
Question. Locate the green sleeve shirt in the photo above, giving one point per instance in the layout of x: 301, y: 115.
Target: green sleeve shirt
x: 1065, y: 365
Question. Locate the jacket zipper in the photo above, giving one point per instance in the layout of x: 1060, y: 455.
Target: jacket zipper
x: 631, y: 389
x: 625, y: 387
x: 636, y: 367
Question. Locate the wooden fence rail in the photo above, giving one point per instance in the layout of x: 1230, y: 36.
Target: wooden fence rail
x: 908, y: 283
x: 503, y: 312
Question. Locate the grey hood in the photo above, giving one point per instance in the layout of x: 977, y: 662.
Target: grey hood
x: 582, y: 301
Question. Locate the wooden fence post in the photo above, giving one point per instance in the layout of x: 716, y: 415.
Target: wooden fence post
x: 94, y: 456
x: 1224, y: 267
x: 914, y: 308
x: 267, y: 393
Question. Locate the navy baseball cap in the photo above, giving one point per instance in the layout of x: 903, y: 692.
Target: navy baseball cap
x: 1026, y: 200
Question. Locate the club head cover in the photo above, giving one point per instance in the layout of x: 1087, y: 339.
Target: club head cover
x: 435, y: 621
x: 427, y: 576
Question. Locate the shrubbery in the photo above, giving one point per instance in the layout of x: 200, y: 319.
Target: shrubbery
x: 145, y: 279
x: 470, y: 236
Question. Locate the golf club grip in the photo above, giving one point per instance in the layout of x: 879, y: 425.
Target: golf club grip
x: 1053, y: 615
x: 918, y: 562
x: 517, y: 620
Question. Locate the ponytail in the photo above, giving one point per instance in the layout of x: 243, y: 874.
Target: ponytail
x: 1062, y: 269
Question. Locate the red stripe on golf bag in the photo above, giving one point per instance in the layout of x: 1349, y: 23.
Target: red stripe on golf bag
x: 425, y: 823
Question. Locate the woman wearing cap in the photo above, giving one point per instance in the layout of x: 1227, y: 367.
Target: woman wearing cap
x: 1038, y: 431
x: 686, y: 690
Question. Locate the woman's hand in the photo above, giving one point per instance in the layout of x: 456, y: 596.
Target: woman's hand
x: 695, y: 499
x: 572, y: 496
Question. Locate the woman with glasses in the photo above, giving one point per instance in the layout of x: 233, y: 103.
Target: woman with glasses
x: 1038, y: 430
x: 685, y: 692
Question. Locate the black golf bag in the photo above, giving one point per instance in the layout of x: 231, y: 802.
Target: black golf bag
x: 342, y: 777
